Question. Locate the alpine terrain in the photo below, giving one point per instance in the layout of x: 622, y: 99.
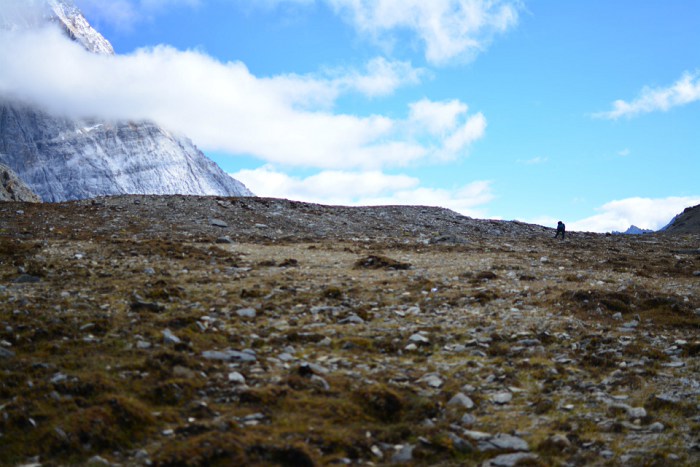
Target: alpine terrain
x: 66, y: 159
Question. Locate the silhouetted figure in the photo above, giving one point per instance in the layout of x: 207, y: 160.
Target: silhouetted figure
x: 561, y: 229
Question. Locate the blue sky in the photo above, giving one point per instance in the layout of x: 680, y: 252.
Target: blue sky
x: 536, y: 110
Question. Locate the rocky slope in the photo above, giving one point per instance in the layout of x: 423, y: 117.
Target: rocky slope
x: 14, y: 189
x: 65, y: 159
x: 174, y: 330
x: 686, y: 222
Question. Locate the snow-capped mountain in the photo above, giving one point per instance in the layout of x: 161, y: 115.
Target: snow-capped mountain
x: 64, y: 159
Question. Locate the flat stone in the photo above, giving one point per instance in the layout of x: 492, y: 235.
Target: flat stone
x: 246, y: 313
x: 507, y: 442
x: 27, y: 279
x: 218, y: 223
x: 229, y: 355
x: 352, y: 319
x: 461, y: 400
x: 170, y: 338
x: 657, y: 427
x: 236, y: 377
x: 511, y: 460
x: 502, y: 398
x: 5, y: 353
x: 419, y: 339
x: 433, y: 381
x: 403, y: 455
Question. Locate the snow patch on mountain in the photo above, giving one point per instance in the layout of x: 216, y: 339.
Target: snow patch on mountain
x: 65, y: 159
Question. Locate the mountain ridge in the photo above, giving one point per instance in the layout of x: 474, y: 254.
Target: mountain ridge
x: 63, y: 159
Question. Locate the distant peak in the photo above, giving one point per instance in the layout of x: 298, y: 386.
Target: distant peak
x: 29, y: 14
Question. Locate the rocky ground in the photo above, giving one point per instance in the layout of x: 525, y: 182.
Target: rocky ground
x: 177, y: 331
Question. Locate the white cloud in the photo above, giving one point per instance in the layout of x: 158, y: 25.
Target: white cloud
x: 284, y: 119
x: 370, y: 188
x: 682, y: 92
x: 624, y: 153
x: 437, y: 118
x: 449, y: 29
x: 645, y: 213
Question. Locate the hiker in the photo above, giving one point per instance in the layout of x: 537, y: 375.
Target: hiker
x: 561, y: 229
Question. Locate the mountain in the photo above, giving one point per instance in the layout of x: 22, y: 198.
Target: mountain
x: 66, y: 159
x: 686, y: 222
x: 14, y: 189
x: 634, y: 230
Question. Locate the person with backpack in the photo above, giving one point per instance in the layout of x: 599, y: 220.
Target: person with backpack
x: 561, y: 229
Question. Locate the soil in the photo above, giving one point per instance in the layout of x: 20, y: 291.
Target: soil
x: 171, y: 330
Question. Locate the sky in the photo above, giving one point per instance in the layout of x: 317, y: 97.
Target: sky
x: 533, y: 110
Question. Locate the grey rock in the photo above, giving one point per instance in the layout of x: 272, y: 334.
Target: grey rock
x: 236, y: 377
x: 403, y: 455
x: 460, y: 444
x: 657, y: 427
x: 419, y: 339
x: 511, y: 460
x: 502, y: 398
x: 503, y: 442
x: 5, y: 353
x: 461, y: 400
x: 352, y: 319
x: 170, y: 338
x: 27, y: 279
x: 246, y: 313
x: 225, y: 239
x: 218, y: 223
x: 432, y: 380
x: 12, y: 188
x: 229, y: 355
x: 468, y: 419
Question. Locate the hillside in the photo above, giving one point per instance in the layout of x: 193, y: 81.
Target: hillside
x: 172, y: 330
x: 686, y: 222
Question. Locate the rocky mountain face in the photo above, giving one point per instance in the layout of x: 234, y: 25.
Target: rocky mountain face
x: 14, y: 189
x: 176, y: 330
x: 66, y: 159
x: 686, y: 222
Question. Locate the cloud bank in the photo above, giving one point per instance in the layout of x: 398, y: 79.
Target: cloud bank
x: 366, y: 188
x: 684, y: 91
x: 284, y: 119
x: 645, y: 213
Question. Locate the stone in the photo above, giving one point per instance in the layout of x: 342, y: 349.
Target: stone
x: 229, y: 355
x: 352, y: 319
x: 27, y: 279
x: 657, y: 427
x: 419, y: 339
x: 468, y: 419
x: 218, y: 223
x: 236, y: 377
x: 170, y: 338
x: 502, y: 398
x: 461, y: 400
x: 512, y: 460
x: 459, y: 444
x: 504, y: 442
x: 224, y: 240
x: 246, y: 313
x: 404, y: 455
x: 636, y: 412
x: 6, y: 353
x: 434, y: 381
